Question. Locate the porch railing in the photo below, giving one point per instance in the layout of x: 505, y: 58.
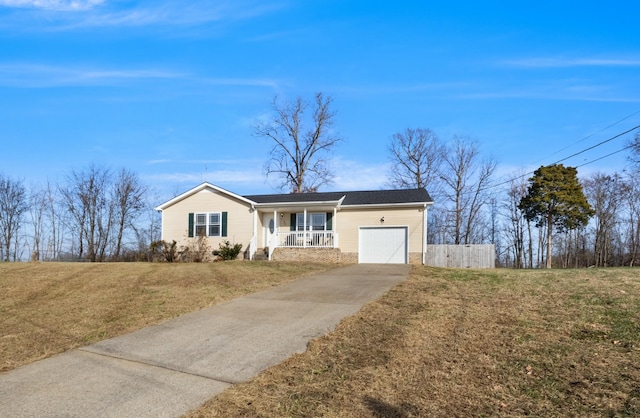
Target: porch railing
x: 304, y: 239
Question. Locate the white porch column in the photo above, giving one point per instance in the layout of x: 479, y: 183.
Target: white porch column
x: 276, y: 229
x: 255, y: 223
x: 304, y: 235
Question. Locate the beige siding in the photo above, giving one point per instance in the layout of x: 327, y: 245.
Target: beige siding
x: 350, y: 220
x: 175, y: 219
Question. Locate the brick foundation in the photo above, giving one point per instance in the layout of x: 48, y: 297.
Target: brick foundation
x: 320, y: 255
x: 326, y: 255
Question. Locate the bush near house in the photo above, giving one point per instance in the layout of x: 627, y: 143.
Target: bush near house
x: 228, y: 251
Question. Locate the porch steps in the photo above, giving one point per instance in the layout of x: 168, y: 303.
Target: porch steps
x: 261, y: 254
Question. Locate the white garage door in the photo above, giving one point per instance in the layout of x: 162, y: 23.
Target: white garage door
x: 382, y: 245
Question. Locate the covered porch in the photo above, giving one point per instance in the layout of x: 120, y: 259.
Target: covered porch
x: 305, y: 225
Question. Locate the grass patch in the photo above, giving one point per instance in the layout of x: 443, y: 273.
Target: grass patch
x: 48, y: 308
x: 466, y: 343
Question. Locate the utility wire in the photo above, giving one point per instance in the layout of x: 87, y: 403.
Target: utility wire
x: 597, y: 132
x: 608, y: 155
x: 573, y: 155
x: 598, y: 144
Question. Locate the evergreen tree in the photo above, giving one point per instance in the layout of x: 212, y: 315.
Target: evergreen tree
x: 555, y: 199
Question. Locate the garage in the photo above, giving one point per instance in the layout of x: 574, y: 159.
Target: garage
x: 382, y: 245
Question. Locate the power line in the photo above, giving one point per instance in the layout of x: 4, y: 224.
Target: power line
x: 573, y: 155
x: 608, y: 155
x: 598, y: 144
x: 597, y: 132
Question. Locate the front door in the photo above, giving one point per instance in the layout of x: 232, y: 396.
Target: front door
x: 269, y: 228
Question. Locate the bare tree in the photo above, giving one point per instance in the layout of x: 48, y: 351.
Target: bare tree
x: 13, y: 205
x: 466, y: 180
x: 516, y: 221
x: 632, y: 209
x: 604, y: 192
x: 37, y: 210
x: 55, y: 221
x: 416, y: 157
x: 128, y: 197
x: 300, y: 143
x: 634, y: 157
x: 85, y: 197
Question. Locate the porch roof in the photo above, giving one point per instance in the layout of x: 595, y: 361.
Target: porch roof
x: 351, y: 198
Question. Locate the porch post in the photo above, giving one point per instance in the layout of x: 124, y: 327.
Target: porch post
x: 255, y: 224
x: 276, y: 227
x: 304, y: 235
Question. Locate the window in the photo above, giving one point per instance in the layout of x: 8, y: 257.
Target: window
x: 315, y: 221
x: 207, y: 225
x: 201, y: 224
x: 214, y: 224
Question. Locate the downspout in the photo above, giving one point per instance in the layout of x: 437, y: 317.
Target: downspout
x: 424, y: 235
x: 161, y: 225
x: 335, y: 228
x: 252, y: 251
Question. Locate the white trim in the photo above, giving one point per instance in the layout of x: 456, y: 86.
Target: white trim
x: 331, y: 203
x: 199, y: 188
x: 207, y: 223
x: 388, y: 205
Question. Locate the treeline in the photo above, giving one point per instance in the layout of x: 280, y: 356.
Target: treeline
x: 94, y: 214
x: 100, y: 214
x: 472, y: 206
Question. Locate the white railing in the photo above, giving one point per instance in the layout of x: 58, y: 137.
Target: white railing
x: 306, y: 239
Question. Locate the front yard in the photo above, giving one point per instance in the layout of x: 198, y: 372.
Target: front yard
x: 457, y: 343
x: 48, y: 308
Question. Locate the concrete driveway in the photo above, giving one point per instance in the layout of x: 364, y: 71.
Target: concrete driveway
x: 170, y: 368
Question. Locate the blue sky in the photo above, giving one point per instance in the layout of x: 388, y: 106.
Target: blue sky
x: 170, y: 89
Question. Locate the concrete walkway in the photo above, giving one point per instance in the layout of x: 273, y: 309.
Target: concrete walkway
x: 173, y: 367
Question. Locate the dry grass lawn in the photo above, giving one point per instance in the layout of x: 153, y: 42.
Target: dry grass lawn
x: 48, y: 308
x: 466, y: 343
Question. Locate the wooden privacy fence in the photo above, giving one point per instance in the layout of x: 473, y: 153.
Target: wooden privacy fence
x: 462, y: 256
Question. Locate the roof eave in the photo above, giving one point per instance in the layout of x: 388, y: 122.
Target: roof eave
x: 298, y: 204
x: 388, y: 205
x: 199, y: 188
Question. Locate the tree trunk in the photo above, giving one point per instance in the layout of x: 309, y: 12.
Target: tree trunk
x: 549, y: 233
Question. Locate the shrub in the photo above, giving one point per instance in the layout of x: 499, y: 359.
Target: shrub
x: 228, y: 251
x: 196, y: 251
x: 164, y: 251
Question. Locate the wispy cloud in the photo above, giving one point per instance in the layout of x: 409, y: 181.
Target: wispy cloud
x: 354, y: 175
x: 249, y: 82
x: 560, y: 62
x: 247, y: 176
x: 37, y: 75
x: 160, y: 13
x: 60, y: 5
x: 206, y: 162
x: 593, y: 88
x: 219, y: 177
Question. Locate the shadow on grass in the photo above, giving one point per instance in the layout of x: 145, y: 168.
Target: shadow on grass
x: 382, y: 409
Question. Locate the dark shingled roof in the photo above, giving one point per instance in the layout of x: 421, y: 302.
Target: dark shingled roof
x: 369, y: 197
